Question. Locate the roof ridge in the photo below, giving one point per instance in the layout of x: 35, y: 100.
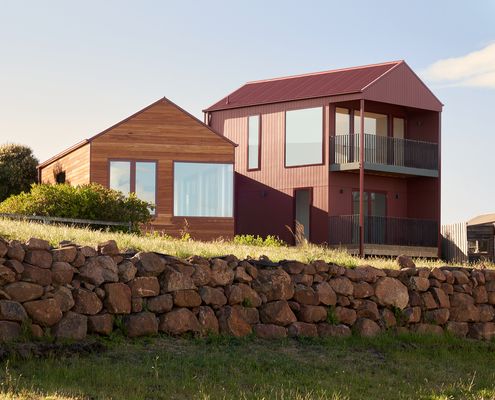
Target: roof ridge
x: 396, y: 62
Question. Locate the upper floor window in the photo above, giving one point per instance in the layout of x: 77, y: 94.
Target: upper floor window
x: 254, y: 142
x: 304, y: 137
x: 203, y: 189
x: 137, y: 177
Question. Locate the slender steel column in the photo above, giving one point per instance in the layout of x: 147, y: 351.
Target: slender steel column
x: 361, y: 180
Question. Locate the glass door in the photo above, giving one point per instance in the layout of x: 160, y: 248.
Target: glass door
x: 375, y: 213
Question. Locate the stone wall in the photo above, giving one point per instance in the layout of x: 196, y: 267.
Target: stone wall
x: 72, y: 291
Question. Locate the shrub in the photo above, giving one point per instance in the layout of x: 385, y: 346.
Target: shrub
x: 17, y: 169
x: 252, y: 240
x: 91, y: 201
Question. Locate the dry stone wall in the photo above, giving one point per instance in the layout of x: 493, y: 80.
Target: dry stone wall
x: 72, y: 291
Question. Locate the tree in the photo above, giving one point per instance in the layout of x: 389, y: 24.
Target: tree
x: 17, y: 169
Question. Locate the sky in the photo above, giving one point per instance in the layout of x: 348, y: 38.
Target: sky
x: 68, y: 70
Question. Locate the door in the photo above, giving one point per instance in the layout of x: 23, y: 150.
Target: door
x: 375, y: 213
x: 302, y: 227
x: 399, y: 126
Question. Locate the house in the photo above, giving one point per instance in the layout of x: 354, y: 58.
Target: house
x: 165, y: 156
x: 481, y: 238
x: 347, y: 157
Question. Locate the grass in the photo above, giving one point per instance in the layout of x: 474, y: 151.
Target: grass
x: 22, y: 230
x: 386, y: 367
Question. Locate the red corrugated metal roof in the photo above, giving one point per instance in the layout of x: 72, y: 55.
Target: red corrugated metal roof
x: 320, y: 84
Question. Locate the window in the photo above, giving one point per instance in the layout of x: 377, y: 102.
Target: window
x: 342, y: 121
x: 478, y: 246
x: 374, y: 124
x: 137, y: 177
x: 304, y: 137
x: 203, y: 189
x: 60, y: 177
x: 399, y: 127
x: 254, y: 136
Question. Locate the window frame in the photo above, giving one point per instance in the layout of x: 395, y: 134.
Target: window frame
x: 259, y: 143
x: 203, y: 162
x: 323, y: 142
x: 132, y: 177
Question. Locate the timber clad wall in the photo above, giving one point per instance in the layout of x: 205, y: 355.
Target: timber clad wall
x: 75, y: 164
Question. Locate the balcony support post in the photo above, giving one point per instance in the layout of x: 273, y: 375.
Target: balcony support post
x: 361, y: 179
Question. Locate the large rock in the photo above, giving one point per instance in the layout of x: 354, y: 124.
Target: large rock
x: 459, y: 329
x: 41, y: 276
x: 465, y: 313
x: 242, y: 276
x: 16, y: 251
x: 405, y: 262
x: 201, y: 275
x: 141, y: 324
x: 391, y: 292
x: 328, y: 330
x: 145, y: 286
x: 243, y: 294
x: 62, y: 272
x: 212, y: 296
x: 86, y: 302
x: 482, y: 331
x: 419, y: 284
x: 37, y: 244
x: 187, y: 298
x: 342, y: 285
x: 172, y: 280
x: 326, y: 295
x: 178, y: 322
x: 231, y: 322
x: 221, y: 273
x: 127, y: 271
x: 44, y: 312
x: 306, y: 295
x: 100, y: 269
x: 362, y: 290
x: 274, y: 284
x: 40, y: 258
x: 64, y: 254
x: 440, y: 297
x: 149, y: 264
x: 16, y: 266
x: 160, y: 304
x: 429, y: 329
x: 438, y: 317
x: 101, y: 324
x: 302, y: 329
x: 118, y: 298
x: 365, y: 273
x: 278, y: 313
x: 6, y: 275
x: 366, y: 327
x: 345, y: 315
x: 108, y: 248
x: 9, y: 330
x: 23, y: 291
x: 71, y: 326
x: 208, y: 321
x: 12, y: 311
x: 64, y: 298
x: 270, y: 331
x: 308, y: 313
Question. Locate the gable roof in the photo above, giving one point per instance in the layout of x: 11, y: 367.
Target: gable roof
x: 308, y: 86
x: 482, y: 220
x: 89, y: 140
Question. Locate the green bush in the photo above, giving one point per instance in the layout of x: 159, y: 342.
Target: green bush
x: 91, y: 201
x: 17, y: 169
x: 252, y: 240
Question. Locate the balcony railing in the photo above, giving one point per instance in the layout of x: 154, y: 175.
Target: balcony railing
x: 384, y: 150
x: 344, y: 230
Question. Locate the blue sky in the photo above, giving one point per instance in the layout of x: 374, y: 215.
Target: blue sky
x: 70, y: 69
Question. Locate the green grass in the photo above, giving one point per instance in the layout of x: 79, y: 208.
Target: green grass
x: 386, y: 367
x: 184, y: 248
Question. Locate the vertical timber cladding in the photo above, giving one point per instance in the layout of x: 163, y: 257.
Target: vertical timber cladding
x: 165, y: 133
x: 264, y: 198
x: 75, y: 164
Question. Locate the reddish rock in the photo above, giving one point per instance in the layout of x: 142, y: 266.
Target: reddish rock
x: 270, y: 331
x: 141, y: 324
x: 363, y: 290
x: 320, y: 266
x: 438, y: 317
x: 447, y: 288
x: 33, y: 274
x: 274, y: 284
x: 429, y: 329
x: 15, y: 266
x: 40, y: 258
x: 136, y: 304
x: 482, y: 331
x: 302, y: 329
x: 241, y: 276
x: 23, y: 291
x: 63, y: 297
x: 440, y: 297
x: 491, y: 297
x: 64, y: 254
x: 108, y: 248
x: 72, y: 326
x: 405, y: 262
x: 160, y: 304
x: 461, y: 300
x: 427, y: 301
x: 149, y: 264
x: 9, y: 331
x: 437, y: 274
x: 391, y: 292
x: 364, y: 273
x: 118, y: 298
x: 294, y: 267
x: 312, y: 314
x: 221, y: 273
x: 342, y: 285
x: 101, y: 324
x: 16, y: 251
x: 302, y: 279
x: 201, y: 275
x: 62, y: 272
x: 326, y: 295
x: 145, y: 286
x: 480, y: 295
x: 172, y: 280
x: 243, y: 294
x: 127, y: 271
x: 79, y: 261
x: 231, y: 322
x: 88, y: 251
x: 388, y: 318
x: 486, y: 312
x: 278, y: 313
x: 343, y: 301
x: 368, y: 309
x: 345, y: 315
x: 465, y: 313
x: 305, y: 295
x: 12, y: 311
x: 36, y: 331
x: 459, y: 329
x: 419, y: 284
x: 6, y: 275
x: 97, y: 270
x: 86, y: 302
x: 212, y: 296
x: 178, y: 322
x: 412, y: 315
x: 187, y: 298
x: 328, y: 330
x: 44, y: 312
x: 208, y: 321
x: 460, y: 277
x: 37, y: 244
x: 366, y: 327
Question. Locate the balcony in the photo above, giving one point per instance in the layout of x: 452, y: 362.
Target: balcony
x: 384, y: 154
x: 385, y: 235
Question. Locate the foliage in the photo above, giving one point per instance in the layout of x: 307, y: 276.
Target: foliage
x: 17, y: 169
x: 91, y: 201
x: 256, y: 240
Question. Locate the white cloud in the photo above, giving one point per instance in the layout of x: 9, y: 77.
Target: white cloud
x: 473, y: 69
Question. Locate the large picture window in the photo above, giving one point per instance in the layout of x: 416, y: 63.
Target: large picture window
x: 137, y: 177
x: 304, y: 137
x: 254, y: 142
x: 203, y: 189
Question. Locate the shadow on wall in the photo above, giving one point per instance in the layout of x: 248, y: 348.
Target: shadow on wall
x: 263, y: 210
